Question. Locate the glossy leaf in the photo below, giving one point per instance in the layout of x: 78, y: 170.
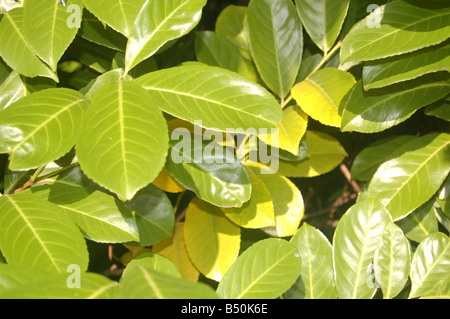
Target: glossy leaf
x: 145, y: 283
x: 220, y: 99
x: 291, y: 129
x: 11, y: 90
x: 174, y: 248
x: 370, y: 158
x: 409, y: 180
x: 16, y: 51
x: 441, y: 290
x: 320, y: 94
x: 420, y: 223
x: 288, y: 205
x: 92, y: 286
x: 155, y: 262
x: 264, y: 271
x: 325, y: 154
x: 123, y: 140
x: 354, y: 243
x: 41, y: 127
x: 154, y: 215
x: 39, y: 235
x: 232, y: 25
x: 378, y: 110
x: 214, y: 50
x: 119, y: 15
x: 316, y: 280
x: 167, y: 183
x: 395, y: 28
x: 392, y: 70
x: 392, y: 261
x: 101, y: 217
x: 440, y: 109
x: 157, y: 23
x: 13, y: 276
x: 276, y: 42
x: 209, y: 170
x: 212, y: 240
x: 431, y: 263
x: 49, y: 28
x: 95, y: 85
x: 323, y: 20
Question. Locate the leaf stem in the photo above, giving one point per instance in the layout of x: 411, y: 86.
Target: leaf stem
x: 326, y: 57
x: 31, y: 181
x: 36, y: 173
x: 286, y: 102
x: 57, y: 172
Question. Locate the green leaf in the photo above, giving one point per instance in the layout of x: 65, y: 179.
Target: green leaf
x: 14, y: 180
x: 405, y: 67
x: 212, y: 240
x: 232, y: 25
x: 370, y: 158
x: 49, y: 28
x: 276, y: 42
x: 159, y: 22
x: 354, y: 243
x: 392, y: 261
x: 154, y: 215
x: 320, y: 94
x: 431, y: 263
x: 420, y: 223
x: 325, y: 153
x: 214, y: 50
x: 440, y: 109
x: 96, y: 84
x: 95, y: 31
x: 288, y: 205
x: 119, y: 15
x: 37, y: 234
x: 323, y: 20
x: 404, y: 26
x: 208, y: 169
x: 316, y: 280
x: 264, y: 271
x: 378, y: 110
x: 92, y: 286
x: 41, y: 127
x: 155, y: 262
x: 219, y: 98
x: 13, y: 276
x: 11, y: 90
x: 146, y: 283
x: 15, y: 49
x: 409, y: 180
x: 100, y: 216
x: 441, y: 290
x: 123, y: 140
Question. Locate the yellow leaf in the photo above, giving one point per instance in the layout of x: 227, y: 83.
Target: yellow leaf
x: 287, y: 201
x: 212, y: 240
x: 290, y: 130
x: 256, y: 212
x: 167, y: 183
x: 320, y: 94
x: 174, y: 248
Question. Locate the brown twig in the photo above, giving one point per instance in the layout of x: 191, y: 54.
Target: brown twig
x: 344, y: 169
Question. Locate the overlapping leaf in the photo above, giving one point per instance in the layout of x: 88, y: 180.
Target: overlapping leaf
x: 378, y: 110
x: 316, y: 280
x: 123, y: 140
x: 11, y: 90
x: 157, y: 23
x: 409, y: 180
x: 37, y: 234
x: 212, y: 240
x: 155, y: 262
x: 420, y: 223
x: 264, y: 271
x: 430, y: 264
x: 354, y: 243
x: 41, y: 127
x: 276, y: 42
x: 323, y: 20
x: 395, y: 28
x: 49, y: 28
x: 440, y: 109
x: 15, y: 49
x: 320, y: 94
x: 212, y: 97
